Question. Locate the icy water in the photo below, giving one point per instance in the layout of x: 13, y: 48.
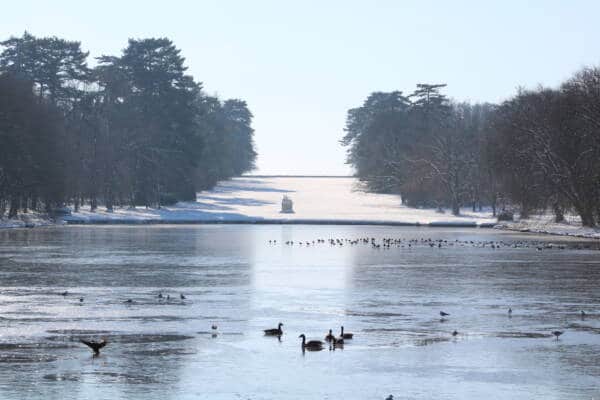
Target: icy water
x: 234, y: 278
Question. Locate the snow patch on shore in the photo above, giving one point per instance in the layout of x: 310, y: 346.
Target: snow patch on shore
x: 258, y: 199
x: 545, y: 224
x: 316, y: 200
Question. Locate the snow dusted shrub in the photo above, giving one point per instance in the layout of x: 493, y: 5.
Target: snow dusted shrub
x: 506, y: 216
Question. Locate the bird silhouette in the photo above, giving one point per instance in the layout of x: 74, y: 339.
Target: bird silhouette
x: 557, y: 333
x: 95, y: 346
x: 274, y: 331
x: 443, y: 314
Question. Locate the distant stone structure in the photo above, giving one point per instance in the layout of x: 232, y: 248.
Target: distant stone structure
x: 287, y: 205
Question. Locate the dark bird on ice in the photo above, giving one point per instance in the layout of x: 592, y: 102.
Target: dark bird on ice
x: 455, y: 333
x: 557, y: 333
x: 311, y: 344
x: 274, y: 331
x: 95, y: 346
x: 214, y: 327
x: 346, y: 335
x: 329, y: 337
x: 443, y: 314
x: 181, y: 296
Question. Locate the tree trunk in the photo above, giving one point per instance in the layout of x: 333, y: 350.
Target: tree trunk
x: 14, y: 207
x: 559, y: 215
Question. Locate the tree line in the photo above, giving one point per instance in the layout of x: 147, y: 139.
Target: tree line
x: 134, y: 129
x: 539, y: 150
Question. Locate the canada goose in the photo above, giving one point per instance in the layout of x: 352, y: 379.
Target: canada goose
x: 64, y: 293
x: 275, y: 331
x: 443, y: 314
x: 128, y: 301
x: 455, y: 333
x: 329, y: 336
x: 95, y: 346
x: 311, y: 344
x: 583, y: 314
x: 81, y: 299
x: 160, y: 296
x: 557, y: 333
x: 338, y: 342
x: 345, y: 335
x: 509, y: 311
x: 181, y: 296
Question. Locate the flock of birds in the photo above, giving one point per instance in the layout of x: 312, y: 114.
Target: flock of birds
x: 385, y: 243
x: 310, y: 345
x: 388, y: 243
x: 315, y: 345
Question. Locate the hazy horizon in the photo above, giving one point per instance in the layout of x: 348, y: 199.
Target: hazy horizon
x: 300, y: 68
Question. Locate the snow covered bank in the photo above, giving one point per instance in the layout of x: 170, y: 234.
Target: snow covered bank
x: 545, y: 224
x: 327, y: 200
x: 29, y: 220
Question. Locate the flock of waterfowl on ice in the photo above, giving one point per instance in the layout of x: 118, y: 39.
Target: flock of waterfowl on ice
x: 389, y: 243
x: 337, y: 342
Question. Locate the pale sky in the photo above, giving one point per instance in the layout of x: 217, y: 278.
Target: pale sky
x: 301, y: 65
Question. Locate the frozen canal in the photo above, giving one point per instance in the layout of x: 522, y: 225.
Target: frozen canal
x: 231, y: 276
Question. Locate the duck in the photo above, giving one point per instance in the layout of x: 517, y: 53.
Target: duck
x: 444, y: 314
x: 275, y: 331
x: 345, y: 335
x: 330, y: 336
x: 95, y: 346
x: 311, y: 344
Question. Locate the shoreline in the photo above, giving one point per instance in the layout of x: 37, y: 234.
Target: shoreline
x: 48, y: 223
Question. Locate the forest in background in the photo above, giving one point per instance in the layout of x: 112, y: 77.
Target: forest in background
x: 134, y: 129
x: 539, y: 150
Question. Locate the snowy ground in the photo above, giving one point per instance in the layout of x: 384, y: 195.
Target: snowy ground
x: 254, y: 199
x: 316, y: 200
x: 545, y: 224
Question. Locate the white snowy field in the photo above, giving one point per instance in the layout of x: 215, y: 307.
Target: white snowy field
x: 316, y: 200
x: 258, y: 199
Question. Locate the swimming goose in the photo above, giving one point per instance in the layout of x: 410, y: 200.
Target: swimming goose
x: 95, y: 346
x: 311, y: 344
x: 329, y: 336
x: 345, y: 335
x: 275, y: 331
